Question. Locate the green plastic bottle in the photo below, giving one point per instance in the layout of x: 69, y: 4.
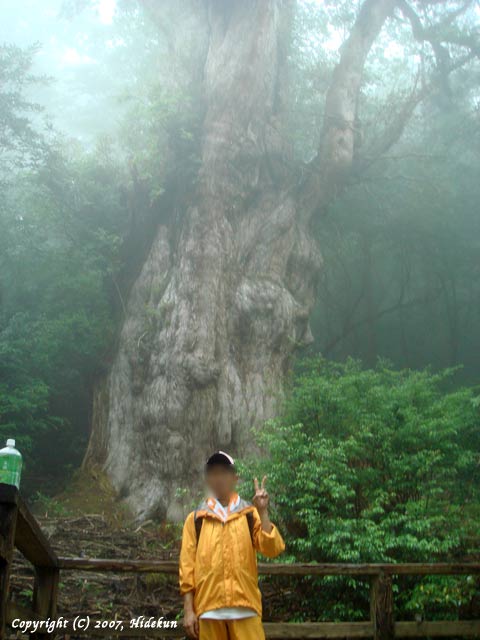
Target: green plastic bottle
x: 10, y: 464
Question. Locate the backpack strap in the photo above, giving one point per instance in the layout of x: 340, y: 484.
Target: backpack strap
x: 198, y: 525
x: 251, y: 523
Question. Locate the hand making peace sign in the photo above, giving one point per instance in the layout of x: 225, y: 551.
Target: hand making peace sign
x: 260, y: 499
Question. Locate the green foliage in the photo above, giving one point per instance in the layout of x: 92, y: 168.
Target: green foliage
x: 374, y: 466
x: 438, y: 596
x: 48, y: 505
x: 63, y: 215
x: 56, y: 318
x: 21, y: 144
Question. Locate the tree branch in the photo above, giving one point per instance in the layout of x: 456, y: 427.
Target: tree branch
x: 439, y: 40
x: 397, y: 306
x: 393, y: 131
x: 422, y: 35
x: 396, y: 127
x: 338, y: 132
x: 328, y: 173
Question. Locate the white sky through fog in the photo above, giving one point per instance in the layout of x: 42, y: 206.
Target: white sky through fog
x: 18, y: 28
x: 106, y: 10
x: 70, y: 52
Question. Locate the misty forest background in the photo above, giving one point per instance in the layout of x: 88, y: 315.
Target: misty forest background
x: 374, y: 454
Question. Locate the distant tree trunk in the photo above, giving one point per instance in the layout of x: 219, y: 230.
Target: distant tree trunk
x: 221, y: 304
x: 370, y: 303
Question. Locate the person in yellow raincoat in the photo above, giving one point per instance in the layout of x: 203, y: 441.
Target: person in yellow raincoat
x: 218, y: 562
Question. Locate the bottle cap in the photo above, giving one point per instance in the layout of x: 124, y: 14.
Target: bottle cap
x: 10, y: 442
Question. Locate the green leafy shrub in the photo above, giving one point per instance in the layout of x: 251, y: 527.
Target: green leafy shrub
x: 374, y: 466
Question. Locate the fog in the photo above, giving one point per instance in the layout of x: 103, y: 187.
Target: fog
x: 188, y: 213
x: 250, y: 226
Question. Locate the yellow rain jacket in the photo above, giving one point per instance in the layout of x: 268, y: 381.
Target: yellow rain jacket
x: 223, y: 569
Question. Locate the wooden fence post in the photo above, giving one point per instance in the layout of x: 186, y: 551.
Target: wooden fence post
x: 8, y: 522
x: 381, y: 607
x: 45, y: 591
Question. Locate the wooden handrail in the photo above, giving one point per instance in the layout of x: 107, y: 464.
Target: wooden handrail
x: 19, y: 528
x: 29, y: 538
x: 277, y: 568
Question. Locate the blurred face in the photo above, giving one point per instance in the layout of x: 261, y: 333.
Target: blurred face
x: 221, y: 482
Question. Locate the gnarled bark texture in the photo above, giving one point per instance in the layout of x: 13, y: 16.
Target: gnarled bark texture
x: 221, y: 304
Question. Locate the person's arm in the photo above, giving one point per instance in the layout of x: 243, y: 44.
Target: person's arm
x: 187, y: 576
x: 266, y: 537
x: 267, y: 525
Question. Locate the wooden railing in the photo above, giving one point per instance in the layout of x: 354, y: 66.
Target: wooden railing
x: 19, y: 528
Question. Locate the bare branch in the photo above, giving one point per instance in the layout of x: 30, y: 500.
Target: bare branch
x: 393, y: 132
x: 422, y: 35
x: 328, y: 173
x: 397, y: 306
x: 438, y: 40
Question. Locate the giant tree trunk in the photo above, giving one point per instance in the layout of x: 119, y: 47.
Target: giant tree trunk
x: 220, y: 305
x: 212, y: 320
